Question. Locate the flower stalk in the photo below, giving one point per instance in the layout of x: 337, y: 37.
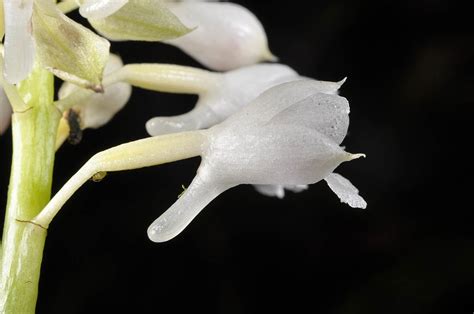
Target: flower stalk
x: 34, y: 136
x: 133, y: 155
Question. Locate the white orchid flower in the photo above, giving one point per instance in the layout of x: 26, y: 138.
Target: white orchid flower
x: 220, y: 95
x: 289, y: 135
x: 229, y: 93
x: 5, y: 111
x: 226, y: 35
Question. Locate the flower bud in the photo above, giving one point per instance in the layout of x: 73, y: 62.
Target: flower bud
x: 227, y: 35
x: 286, y: 136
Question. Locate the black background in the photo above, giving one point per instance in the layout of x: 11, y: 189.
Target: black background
x: 409, y: 67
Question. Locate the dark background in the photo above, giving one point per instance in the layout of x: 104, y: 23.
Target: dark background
x: 410, y: 74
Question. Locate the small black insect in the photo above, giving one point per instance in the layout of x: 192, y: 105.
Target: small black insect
x: 75, y: 131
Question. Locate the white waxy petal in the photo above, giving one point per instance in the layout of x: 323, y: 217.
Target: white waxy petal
x: 99, y: 9
x: 267, y: 155
x: 279, y: 190
x: 227, y: 35
x: 100, y: 108
x: 346, y: 192
x: 197, y: 196
x: 325, y: 113
x: 5, y: 111
x: 19, y: 44
x: 275, y: 100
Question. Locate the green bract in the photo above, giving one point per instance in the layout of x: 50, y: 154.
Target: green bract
x: 68, y: 49
x: 144, y: 20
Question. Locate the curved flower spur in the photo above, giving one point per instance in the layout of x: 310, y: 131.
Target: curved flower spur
x: 288, y: 118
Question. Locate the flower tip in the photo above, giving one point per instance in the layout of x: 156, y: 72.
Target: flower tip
x: 355, y: 156
x: 341, y: 82
x: 156, y: 236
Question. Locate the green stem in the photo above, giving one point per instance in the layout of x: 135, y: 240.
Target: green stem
x: 34, y: 135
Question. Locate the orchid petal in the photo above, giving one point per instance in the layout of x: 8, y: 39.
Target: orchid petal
x: 344, y: 189
x: 325, y: 113
x: 279, y: 98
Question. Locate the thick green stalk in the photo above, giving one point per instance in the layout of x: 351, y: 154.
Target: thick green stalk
x: 34, y: 135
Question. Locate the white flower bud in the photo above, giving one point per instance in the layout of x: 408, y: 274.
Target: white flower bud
x: 227, y: 35
x: 286, y: 136
x: 232, y: 91
x: 19, y: 44
x: 5, y: 111
x: 98, y: 9
x: 100, y: 108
